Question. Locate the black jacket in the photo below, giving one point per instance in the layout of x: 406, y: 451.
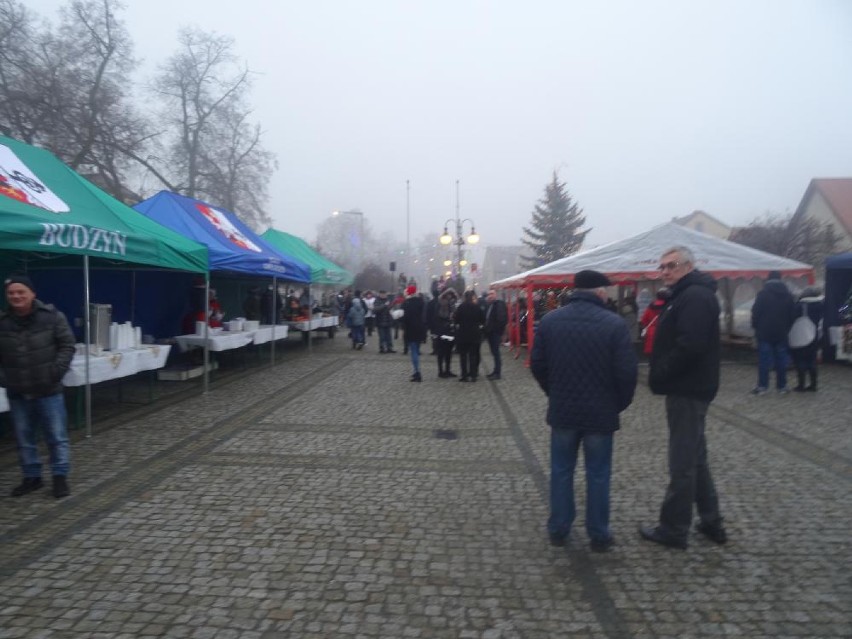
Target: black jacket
x: 496, y: 317
x: 773, y: 312
x: 381, y: 309
x: 686, y: 355
x: 414, y: 319
x: 469, y: 318
x: 35, y: 351
x: 584, y: 361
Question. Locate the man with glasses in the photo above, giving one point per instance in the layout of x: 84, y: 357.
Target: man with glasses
x: 685, y: 368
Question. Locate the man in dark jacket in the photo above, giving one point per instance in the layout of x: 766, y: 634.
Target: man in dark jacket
x: 36, y: 349
x: 584, y: 361
x: 381, y: 311
x: 685, y: 368
x: 496, y: 318
x: 772, y: 315
x: 469, y: 318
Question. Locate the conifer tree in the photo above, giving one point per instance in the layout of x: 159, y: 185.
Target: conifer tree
x: 555, y: 230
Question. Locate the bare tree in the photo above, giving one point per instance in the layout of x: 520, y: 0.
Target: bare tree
x: 67, y: 89
x: 211, y: 148
x: 803, y: 239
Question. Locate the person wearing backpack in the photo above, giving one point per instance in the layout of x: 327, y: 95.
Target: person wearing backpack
x: 356, y: 319
x: 810, y: 307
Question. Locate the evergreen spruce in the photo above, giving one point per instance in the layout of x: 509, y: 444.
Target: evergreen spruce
x: 555, y: 230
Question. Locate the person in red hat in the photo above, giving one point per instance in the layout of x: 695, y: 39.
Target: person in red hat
x: 36, y: 349
x: 414, y: 327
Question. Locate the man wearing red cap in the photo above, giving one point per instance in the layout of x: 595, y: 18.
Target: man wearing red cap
x: 36, y: 349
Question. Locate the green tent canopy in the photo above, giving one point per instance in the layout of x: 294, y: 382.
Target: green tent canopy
x: 323, y: 271
x: 45, y: 207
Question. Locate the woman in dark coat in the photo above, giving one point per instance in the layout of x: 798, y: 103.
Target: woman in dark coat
x: 469, y: 318
x: 443, y: 329
x: 805, y: 357
x: 414, y: 327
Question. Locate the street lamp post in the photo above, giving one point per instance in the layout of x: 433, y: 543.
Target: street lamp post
x: 446, y: 239
x: 360, y: 214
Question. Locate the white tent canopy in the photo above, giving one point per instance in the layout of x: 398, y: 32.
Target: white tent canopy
x: 637, y: 257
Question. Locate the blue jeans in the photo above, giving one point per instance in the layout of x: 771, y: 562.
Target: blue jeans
x: 357, y: 334
x: 385, y: 340
x: 414, y: 349
x: 772, y: 355
x: 49, y: 415
x: 597, y: 451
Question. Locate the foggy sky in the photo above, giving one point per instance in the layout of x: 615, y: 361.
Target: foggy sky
x: 648, y: 110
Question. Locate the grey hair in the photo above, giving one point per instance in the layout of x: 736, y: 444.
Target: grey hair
x: 684, y: 252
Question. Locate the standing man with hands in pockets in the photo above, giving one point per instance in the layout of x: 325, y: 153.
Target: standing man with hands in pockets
x: 36, y: 349
x: 584, y: 361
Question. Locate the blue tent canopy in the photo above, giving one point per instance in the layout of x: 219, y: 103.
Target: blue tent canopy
x: 231, y: 244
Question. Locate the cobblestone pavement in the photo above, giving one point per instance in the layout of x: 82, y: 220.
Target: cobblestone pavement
x: 314, y: 499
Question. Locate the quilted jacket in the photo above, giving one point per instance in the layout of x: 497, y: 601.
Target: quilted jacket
x: 584, y: 361
x: 35, y: 351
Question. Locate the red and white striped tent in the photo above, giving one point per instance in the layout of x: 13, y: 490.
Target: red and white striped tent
x: 635, y: 259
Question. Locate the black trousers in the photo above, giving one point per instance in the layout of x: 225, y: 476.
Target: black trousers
x: 444, y: 349
x: 469, y: 359
x: 689, y: 473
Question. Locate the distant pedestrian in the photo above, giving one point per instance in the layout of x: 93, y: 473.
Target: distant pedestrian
x: 414, y: 327
x: 685, y: 368
x: 355, y: 320
x: 585, y: 363
x: 36, y: 349
x: 772, y: 316
x: 443, y: 331
x: 370, y: 318
x: 496, y: 318
x: 382, y: 311
x: 469, y: 319
x: 810, y: 306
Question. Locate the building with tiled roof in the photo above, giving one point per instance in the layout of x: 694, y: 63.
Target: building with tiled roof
x: 704, y: 223
x: 829, y: 201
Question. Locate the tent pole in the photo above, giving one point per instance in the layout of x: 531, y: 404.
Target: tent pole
x: 274, y: 316
x: 310, y: 322
x: 88, y: 331
x: 207, y: 333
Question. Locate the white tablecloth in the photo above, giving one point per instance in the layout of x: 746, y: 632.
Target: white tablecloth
x: 313, y: 324
x: 226, y: 340
x: 109, y: 365
x: 264, y: 333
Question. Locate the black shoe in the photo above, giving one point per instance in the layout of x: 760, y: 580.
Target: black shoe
x: 557, y: 540
x: 473, y: 378
x: 799, y: 389
x: 390, y: 350
x: 653, y: 533
x: 451, y: 374
x: 463, y: 379
x: 27, y: 486
x: 601, y: 545
x: 442, y: 374
x: 811, y: 388
x: 492, y: 376
x: 60, y: 486
x: 714, y: 532
x: 416, y: 378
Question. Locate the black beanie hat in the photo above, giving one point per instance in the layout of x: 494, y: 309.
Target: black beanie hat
x: 591, y: 279
x: 19, y: 279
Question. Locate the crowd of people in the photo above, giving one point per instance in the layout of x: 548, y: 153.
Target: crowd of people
x: 583, y: 358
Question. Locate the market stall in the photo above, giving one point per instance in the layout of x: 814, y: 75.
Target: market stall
x: 631, y: 264
x: 324, y: 272
x: 838, y: 307
x: 55, y: 221
x: 234, y: 249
